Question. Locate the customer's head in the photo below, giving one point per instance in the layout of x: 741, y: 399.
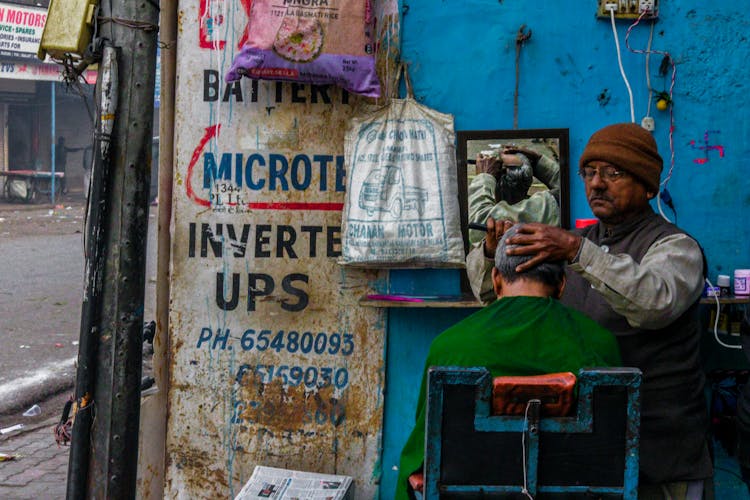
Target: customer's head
x: 545, y: 279
x: 621, y: 168
x: 515, y: 180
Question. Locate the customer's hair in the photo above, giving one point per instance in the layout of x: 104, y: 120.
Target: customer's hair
x: 549, y: 273
x: 514, y: 182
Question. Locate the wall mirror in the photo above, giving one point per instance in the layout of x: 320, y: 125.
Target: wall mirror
x: 516, y: 174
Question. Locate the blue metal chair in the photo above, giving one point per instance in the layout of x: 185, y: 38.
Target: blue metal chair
x: 470, y: 453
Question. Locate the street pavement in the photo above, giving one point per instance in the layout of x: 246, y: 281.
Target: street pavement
x: 41, y: 286
x: 39, y: 467
x: 40, y: 307
x: 40, y: 299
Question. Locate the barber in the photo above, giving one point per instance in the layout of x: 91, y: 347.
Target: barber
x: 640, y: 277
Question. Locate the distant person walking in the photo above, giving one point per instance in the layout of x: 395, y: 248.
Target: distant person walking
x: 61, y: 161
x: 61, y: 158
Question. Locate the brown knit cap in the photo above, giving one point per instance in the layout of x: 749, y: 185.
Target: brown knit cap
x: 629, y: 147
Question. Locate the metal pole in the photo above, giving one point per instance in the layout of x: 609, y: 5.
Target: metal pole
x: 112, y: 321
x: 54, y: 146
x: 154, y: 451
x: 95, y: 247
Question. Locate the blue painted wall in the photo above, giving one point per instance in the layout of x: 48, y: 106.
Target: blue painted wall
x: 462, y: 56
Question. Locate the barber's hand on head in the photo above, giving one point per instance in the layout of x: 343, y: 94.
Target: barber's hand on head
x: 511, y: 160
x: 495, y: 230
x: 545, y: 243
x: 532, y: 155
x: 489, y: 165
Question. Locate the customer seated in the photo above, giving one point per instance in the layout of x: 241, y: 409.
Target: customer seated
x: 525, y: 332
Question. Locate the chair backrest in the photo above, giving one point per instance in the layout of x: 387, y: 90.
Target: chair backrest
x: 469, y: 451
x: 554, y: 391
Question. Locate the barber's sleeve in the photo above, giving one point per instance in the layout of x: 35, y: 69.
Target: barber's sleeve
x: 651, y: 294
x: 479, y: 269
x: 482, y: 205
x: 481, y: 197
x: 547, y: 171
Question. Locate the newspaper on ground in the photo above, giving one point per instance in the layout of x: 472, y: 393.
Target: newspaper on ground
x: 270, y: 482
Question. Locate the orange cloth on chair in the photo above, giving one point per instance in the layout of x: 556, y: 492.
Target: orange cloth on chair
x: 510, y: 395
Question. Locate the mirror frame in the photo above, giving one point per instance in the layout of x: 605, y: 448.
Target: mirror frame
x: 464, y: 136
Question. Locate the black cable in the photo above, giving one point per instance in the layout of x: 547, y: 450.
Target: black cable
x: 667, y: 199
x: 130, y: 23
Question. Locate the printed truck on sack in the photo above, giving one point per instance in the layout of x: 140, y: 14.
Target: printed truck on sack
x: 400, y: 209
x: 385, y: 190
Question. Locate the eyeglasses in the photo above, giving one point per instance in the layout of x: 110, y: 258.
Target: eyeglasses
x: 606, y: 173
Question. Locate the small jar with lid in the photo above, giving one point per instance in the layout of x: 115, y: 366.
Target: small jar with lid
x: 722, y: 282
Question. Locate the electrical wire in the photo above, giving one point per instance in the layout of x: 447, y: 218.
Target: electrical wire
x: 661, y: 210
x: 619, y: 61
x: 671, y: 89
x: 647, y: 52
x: 648, y: 76
x: 130, y: 23
x: 525, y: 490
x: 671, y: 131
x: 716, y: 323
x: 211, y: 13
x: 219, y: 11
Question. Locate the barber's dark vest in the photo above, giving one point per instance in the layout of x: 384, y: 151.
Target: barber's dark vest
x: 674, y: 420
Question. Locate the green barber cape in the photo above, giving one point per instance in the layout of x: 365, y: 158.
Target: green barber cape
x: 512, y: 336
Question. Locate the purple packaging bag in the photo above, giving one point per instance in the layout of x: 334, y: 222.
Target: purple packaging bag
x: 310, y: 41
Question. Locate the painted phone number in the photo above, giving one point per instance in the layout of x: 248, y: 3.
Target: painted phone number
x: 290, y: 341
x: 310, y: 376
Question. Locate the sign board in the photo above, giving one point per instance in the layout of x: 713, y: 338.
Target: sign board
x: 273, y: 361
x: 50, y: 72
x: 20, y: 30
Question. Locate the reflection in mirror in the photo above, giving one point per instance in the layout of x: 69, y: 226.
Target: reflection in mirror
x: 521, y: 175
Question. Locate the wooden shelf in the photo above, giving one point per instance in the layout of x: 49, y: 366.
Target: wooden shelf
x: 458, y: 302
x: 726, y: 300
x: 471, y: 302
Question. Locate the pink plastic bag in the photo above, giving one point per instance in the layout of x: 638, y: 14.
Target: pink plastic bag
x: 310, y: 41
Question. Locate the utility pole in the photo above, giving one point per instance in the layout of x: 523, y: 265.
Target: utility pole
x: 104, y: 445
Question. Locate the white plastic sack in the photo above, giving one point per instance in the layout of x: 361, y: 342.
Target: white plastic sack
x: 401, y: 207
x: 18, y: 189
